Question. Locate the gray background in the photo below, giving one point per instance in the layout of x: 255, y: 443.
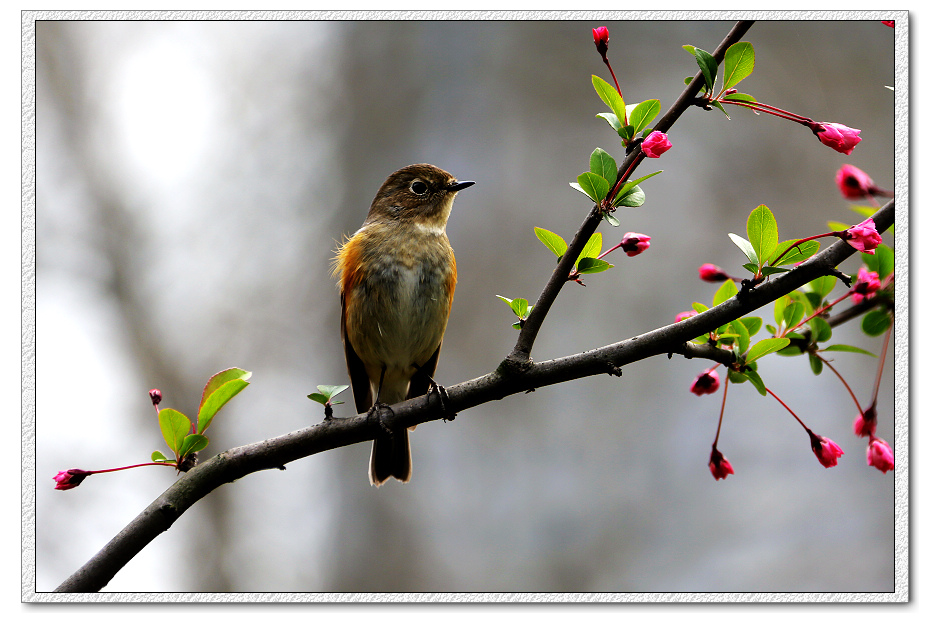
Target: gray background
x: 192, y: 178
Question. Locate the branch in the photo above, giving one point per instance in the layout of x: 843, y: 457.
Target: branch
x: 505, y: 381
x: 524, y: 345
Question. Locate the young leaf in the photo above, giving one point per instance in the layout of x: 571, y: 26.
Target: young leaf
x: 630, y: 185
x: 726, y: 291
x: 217, y: 400
x: 604, y: 165
x: 633, y: 198
x: 885, y: 261
x: 762, y: 231
x: 594, y: 186
x: 816, y: 363
x: 174, y: 427
x: 746, y: 247
x: 588, y: 265
x: 874, y: 323
x: 720, y: 107
x: 738, y: 63
x: 193, y: 443
x: 767, y: 346
x: 159, y: 457
x: 820, y: 329
x: 822, y: 286
x: 752, y: 324
x: 611, y: 118
x: 611, y: 219
x: 592, y: 248
x: 553, y: 242
x: 219, y: 379
x: 609, y: 96
x: 739, y: 97
x: 793, y: 314
x: 800, y: 253
x: 739, y: 329
x: 772, y: 270
x: 320, y: 398
x: 756, y: 381
x: 699, y: 307
x: 520, y: 307
x: 642, y: 113
x: 708, y: 65
x: 845, y: 348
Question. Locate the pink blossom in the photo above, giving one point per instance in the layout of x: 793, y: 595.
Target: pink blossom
x: 863, y: 237
x: 867, y: 284
x: 720, y: 467
x: 853, y: 182
x: 69, y: 479
x: 685, y: 314
x: 601, y: 37
x: 707, y: 382
x: 837, y: 136
x: 879, y: 455
x: 656, y: 144
x: 864, y: 426
x: 712, y: 273
x: 826, y: 450
x: 634, y: 244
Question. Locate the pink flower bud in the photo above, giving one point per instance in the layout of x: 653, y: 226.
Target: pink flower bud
x: 155, y: 395
x: 685, y: 314
x: 837, y: 136
x: 656, y: 144
x: 863, y: 237
x: 69, y: 479
x: 867, y: 284
x: 707, y: 382
x: 634, y: 244
x: 879, y: 455
x: 720, y: 467
x: 864, y: 426
x: 601, y: 37
x: 826, y: 450
x: 853, y: 182
x: 712, y: 273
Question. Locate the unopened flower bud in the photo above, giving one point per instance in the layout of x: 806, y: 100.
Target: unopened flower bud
x: 656, y: 144
x: 879, y: 455
x: 836, y: 136
x: 685, y: 314
x: 863, y: 237
x: 720, y: 467
x: 601, y: 37
x: 853, y: 182
x: 634, y: 244
x: 867, y: 284
x: 712, y: 273
x: 155, y: 395
x: 864, y: 426
x: 707, y: 382
x: 826, y: 450
x: 69, y: 479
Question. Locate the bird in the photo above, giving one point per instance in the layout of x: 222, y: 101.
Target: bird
x: 396, y: 277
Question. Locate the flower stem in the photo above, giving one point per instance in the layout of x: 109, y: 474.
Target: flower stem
x: 842, y: 380
x: 772, y: 394
x: 726, y: 385
x: 881, y: 362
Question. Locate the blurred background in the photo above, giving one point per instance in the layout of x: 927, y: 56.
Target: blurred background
x: 192, y: 181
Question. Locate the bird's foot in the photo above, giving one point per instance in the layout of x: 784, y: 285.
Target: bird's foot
x: 376, y: 412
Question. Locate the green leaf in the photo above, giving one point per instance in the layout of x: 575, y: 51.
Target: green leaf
x: 159, y: 457
x: 740, y: 329
x: 837, y: 226
x: 790, y: 351
x: 779, y: 309
x: 756, y: 380
x: 612, y: 220
x: 800, y: 253
x: 577, y: 187
x: 174, y: 427
x: 588, y: 265
x: 603, y: 164
x: 320, y: 398
x: 885, y: 260
x: 845, y: 348
x: 816, y: 363
x: 752, y: 324
x: 520, y: 307
x: 217, y: 401
x: 642, y: 113
x: 553, y: 242
x: 193, y: 443
x: 609, y: 96
x: 764, y: 347
x: 630, y: 185
x: 708, y: 65
x: 720, y: 107
x: 221, y: 378
x: 738, y: 63
x: 592, y: 248
x: 633, y: 198
x: 726, y: 291
x: 739, y: 97
x: 822, y: 286
x: 331, y: 390
x: 746, y: 247
x: 820, y: 329
x: 594, y: 186
x: 772, y: 270
x: 611, y: 118
x: 793, y: 314
x: 876, y: 322
x: 699, y: 307
x: 762, y: 230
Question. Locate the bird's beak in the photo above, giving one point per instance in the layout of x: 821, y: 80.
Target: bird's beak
x: 457, y: 186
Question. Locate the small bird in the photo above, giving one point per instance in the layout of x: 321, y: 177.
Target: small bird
x: 396, y: 280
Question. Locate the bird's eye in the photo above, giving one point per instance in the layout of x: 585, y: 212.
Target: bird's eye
x: 418, y: 188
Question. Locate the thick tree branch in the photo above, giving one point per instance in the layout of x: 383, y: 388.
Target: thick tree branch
x: 505, y: 381
x: 524, y: 345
